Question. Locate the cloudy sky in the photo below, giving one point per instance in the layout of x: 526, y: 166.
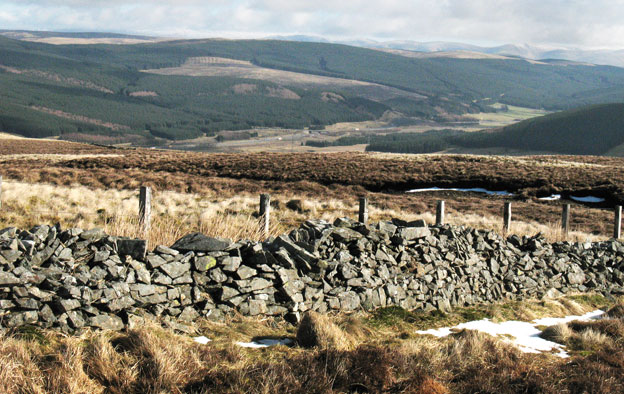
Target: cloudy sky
x: 578, y: 23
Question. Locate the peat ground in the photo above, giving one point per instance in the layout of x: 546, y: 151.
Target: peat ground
x: 345, y: 176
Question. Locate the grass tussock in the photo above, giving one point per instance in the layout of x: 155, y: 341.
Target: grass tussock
x: 318, y: 330
x: 603, y: 335
x: 560, y: 333
x: 617, y: 310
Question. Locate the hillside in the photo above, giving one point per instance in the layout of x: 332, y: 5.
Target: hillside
x: 612, y: 57
x: 104, y: 89
x: 590, y: 130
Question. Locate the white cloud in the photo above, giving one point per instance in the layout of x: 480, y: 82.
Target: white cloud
x: 582, y: 23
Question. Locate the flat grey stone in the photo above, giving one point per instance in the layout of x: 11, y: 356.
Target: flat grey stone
x: 155, y: 260
x: 231, y: 264
x: 175, y: 270
x: 198, y: 242
x: 107, y: 322
x: 295, y: 250
x: 189, y: 314
x: 165, y: 250
x: 217, y: 275
x: 228, y: 292
x: 411, y: 233
x: 93, y: 234
x: 143, y: 289
x: 204, y: 263
x: 68, y: 305
x: 8, y: 279
x: 135, y: 248
x: 76, y: 318
x: 257, y: 307
x: 244, y: 272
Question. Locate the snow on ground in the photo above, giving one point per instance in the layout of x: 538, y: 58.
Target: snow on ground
x: 552, y: 197
x: 505, y: 193
x: 203, y: 340
x: 266, y: 343
x: 524, y: 335
x: 474, y: 189
x: 260, y: 343
x: 589, y: 199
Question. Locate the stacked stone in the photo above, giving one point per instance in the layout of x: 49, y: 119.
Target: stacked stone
x: 75, y: 279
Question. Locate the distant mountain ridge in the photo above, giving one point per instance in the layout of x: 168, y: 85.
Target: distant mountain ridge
x: 21, y: 34
x: 534, y: 52
x: 609, y: 57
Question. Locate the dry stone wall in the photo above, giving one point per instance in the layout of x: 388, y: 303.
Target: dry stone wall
x: 74, y: 279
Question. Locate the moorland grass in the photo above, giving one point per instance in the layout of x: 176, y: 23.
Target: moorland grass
x: 378, y: 358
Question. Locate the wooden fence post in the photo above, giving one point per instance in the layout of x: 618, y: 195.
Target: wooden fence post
x: 440, y: 213
x: 145, y: 207
x: 507, y: 218
x: 565, y: 219
x: 265, y: 213
x: 617, y: 225
x: 363, y: 214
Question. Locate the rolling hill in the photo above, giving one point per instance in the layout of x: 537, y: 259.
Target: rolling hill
x: 146, y: 90
x: 611, y: 57
x: 591, y: 130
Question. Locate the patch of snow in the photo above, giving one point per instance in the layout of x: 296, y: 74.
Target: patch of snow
x: 525, y: 335
x: 551, y: 321
x: 474, y: 190
x: 260, y: 343
x: 203, y: 340
x: 591, y: 199
x: 552, y: 197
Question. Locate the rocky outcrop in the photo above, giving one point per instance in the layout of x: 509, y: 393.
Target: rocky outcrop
x: 74, y: 279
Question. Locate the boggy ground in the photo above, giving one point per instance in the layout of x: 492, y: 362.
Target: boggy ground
x: 337, y: 176
x: 376, y: 352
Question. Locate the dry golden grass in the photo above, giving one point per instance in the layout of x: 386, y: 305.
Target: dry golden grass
x: 176, y: 214
x: 8, y: 136
x: 318, y: 330
x: 343, y: 177
x: 559, y: 333
x: 617, y: 311
x: 52, y: 157
x: 151, y: 359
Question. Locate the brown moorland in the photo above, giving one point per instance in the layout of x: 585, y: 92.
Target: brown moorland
x: 345, y: 176
x: 30, y: 146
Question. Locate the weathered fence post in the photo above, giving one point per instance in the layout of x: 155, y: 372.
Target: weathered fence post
x: 363, y: 214
x: 617, y: 225
x: 440, y: 213
x: 507, y: 218
x: 265, y: 213
x: 565, y: 219
x: 145, y: 207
